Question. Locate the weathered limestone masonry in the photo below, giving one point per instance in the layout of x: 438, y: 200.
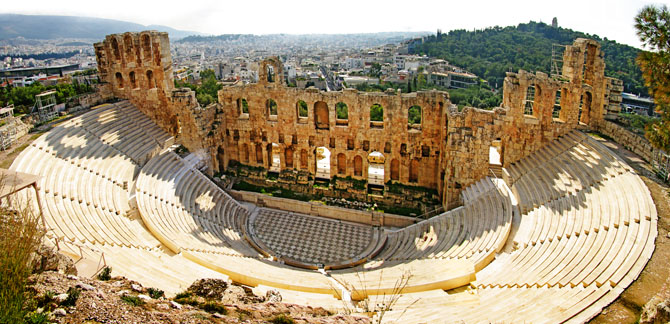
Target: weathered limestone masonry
x: 411, y: 152
x: 138, y: 67
x: 447, y: 151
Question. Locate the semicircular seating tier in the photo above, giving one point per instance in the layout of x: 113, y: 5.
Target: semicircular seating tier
x: 88, y: 165
x: 587, y: 231
x: 582, y: 228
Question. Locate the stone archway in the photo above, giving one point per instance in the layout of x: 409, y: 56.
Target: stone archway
x: 322, y: 162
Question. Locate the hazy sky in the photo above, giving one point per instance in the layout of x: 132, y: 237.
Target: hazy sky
x: 612, y: 19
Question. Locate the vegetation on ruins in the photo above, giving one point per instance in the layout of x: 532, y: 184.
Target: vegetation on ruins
x: 653, y: 27
x: 21, y: 235
x: 491, y: 52
x: 207, y: 91
x: 377, y: 112
x: 23, y: 98
x: 342, y: 110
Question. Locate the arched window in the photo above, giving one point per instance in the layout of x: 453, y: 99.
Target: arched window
x: 556, y: 113
x: 341, y: 113
x: 151, y: 83
x: 259, y: 154
x: 245, y: 153
x: 414, y: 170
x: 242, y: 106
x: 131, y: 76
x: 115, y: 49
x: 321, y: 115
x: 585, y: 108
x: 288, y: 157
x: 271, y: 73
x: 303, y: 159
x: 530, y: 100
x: 358, y: 166
x: 146, y: 46
x: 341, y: 163
x: 414, y: 116
x: 271, y: 107
x: 377, y: 116
x: 119, y: 80
x: 128, y: 44
x: 395, y: 169
x: 301, y: 110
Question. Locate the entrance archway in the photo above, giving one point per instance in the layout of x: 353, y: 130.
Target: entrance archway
x: 322, y: 162
x: 376, y: 169
x: 274, y: 158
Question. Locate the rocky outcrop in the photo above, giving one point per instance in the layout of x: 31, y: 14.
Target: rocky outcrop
x: 656, y: 311
x: 48, y: 259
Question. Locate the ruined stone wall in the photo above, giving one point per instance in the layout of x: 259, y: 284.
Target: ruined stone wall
x: 447, y: 151
x: 138, y: 67
x: 415, y: 149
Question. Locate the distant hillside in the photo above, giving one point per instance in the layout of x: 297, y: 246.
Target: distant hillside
x: 491, y: 52
x: 371, y: 39
x: 54, y: 27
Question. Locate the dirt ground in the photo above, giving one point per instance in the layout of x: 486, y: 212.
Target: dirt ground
x: 655, y: 278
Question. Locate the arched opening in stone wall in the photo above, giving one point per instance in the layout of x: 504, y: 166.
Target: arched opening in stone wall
x: 242, y: 106
x: 119, y: 80
x: 556, y: 113
x: 270, y: 73
x: 288, y: 157
x: 585, y: 107
x: 414, y: 170
x: 128, y: 45
x: 358, y: 166
x: 115, y: 49
x: 322, y: 162
x: 303, y: 159
x: 271, y: 107
x: 588, y: 69
x: 245, y: 153
x: 376, y: 169
x: 274, y: 157
x: 146, y: 46
x: 341, y: 114
x: 221, y: 157
x: 530, y: 100
x: 341, y: 164
x: 151, y: 83
x: 395, y: 169
x: 321, y: 118
x: 414, y: 116
x: 376, y: 116
x: 133, y: 82
x: 259, y: 154
x: 301, y: 110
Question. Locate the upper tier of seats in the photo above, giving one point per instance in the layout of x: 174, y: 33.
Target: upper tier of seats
x: 587, y: 233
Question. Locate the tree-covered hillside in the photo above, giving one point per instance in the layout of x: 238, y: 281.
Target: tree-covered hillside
x: 491, y: 52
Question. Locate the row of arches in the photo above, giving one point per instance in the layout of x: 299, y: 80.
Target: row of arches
x: 138, y: 56
x: 534, y: 91
x: 321, y: 113
x: 149, y: 80
x: 376, y: 167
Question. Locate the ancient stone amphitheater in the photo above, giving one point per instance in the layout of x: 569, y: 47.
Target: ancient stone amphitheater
x: 558, y: 237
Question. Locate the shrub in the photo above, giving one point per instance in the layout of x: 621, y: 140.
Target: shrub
x: 155, y: 293
x: 105, y: 274
x: 46, y: 299
x: 72, y: 296
x: 186, y: 298
x: 282, y: 319
x: 132, y: 300
x: 214, y: 307
x: 21, y: 234
x: 182, y: 295
x: 37, y: 318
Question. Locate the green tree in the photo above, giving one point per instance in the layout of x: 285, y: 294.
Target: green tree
x: 376, y: 112
x: 342, y: 110
x: 653, y: 27
x: 302, y: 109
